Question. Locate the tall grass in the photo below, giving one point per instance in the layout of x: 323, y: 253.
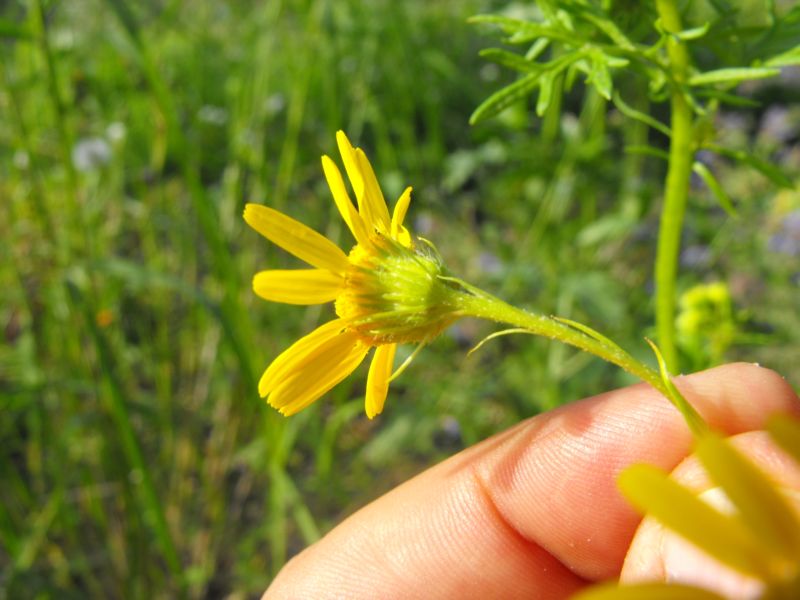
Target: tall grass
x: 136, y: 459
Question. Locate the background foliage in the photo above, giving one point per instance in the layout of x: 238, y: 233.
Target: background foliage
x: 136, y: 459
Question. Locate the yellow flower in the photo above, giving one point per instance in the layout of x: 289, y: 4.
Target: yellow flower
x: 387, y: 290
x: 759, y: 539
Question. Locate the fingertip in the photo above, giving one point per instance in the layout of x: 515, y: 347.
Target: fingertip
x: 739, y: 397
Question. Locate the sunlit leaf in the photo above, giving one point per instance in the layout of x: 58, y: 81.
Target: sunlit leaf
x: 767, y: 169
x: 685, y: 35
x: 537, y: 49
x: 727, y: 97
x: 631, y: 112
x: 719, y: 193
x: 732, y: 75
x: 694, y: 33
x: 600, y: 76
x: 546, y: 83
x: 607, y: 26
x: 510, y: 60
x: 505, y: 97
x: 790, y: 58
x: 520, y: 31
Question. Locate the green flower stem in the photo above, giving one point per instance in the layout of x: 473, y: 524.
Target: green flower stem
x: 482, y: 305
x: 676, y: 191
x: 494, y: 309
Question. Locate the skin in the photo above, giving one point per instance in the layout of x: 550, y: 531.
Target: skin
x: 534, y: 512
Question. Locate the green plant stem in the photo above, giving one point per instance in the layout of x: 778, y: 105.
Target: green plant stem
x: 494, y: 309
x: 676, y: 189
x: 485, y: 306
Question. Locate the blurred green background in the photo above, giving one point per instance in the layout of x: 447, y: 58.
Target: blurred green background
x: 136, y: 459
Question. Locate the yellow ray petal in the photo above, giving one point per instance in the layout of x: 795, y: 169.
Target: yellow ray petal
x: 723, y: 537
x: 372, y: 205
x: 399, y: 232
x: 760, y: 505
x: 350, y: 164
x: 378, y: 379
x: 300, y: 286
x: 302, y: 241
x: 340, y: 357
x: 342, y: 200
x: 297, y: 355
x: 651, y: 591
x: 786, y: 432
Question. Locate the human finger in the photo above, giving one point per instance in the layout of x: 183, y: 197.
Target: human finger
x: 533, y: 511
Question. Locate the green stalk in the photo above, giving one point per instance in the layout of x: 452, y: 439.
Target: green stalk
x: 676, y: 191
x: 481, y: 305
x: 494, y: 309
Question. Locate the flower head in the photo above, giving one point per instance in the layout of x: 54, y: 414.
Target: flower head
x: 387, y: 290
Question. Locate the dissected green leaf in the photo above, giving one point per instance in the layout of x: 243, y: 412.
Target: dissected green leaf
x: 767, y: 169
x: 510, y: 60
x: 521, y: 32
x: 607, y: 26
x: 546, y: 85
x: 716, y: 189
x: 631, y: 112
x: 505, y: 97
x: 727, y: 98
x: 780, y: 36
x: 647, y: 151
x: 507, y: 24
x: 599, y: 75
x: 537, y: 49
x: 732, y: 75
x: 790, y: 58
x: 615, y: 61
x: 694, y: 33
x: 657, y: 85
x: 685, y: 35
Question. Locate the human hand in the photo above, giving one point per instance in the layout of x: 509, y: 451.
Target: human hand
x: 532, y: 512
